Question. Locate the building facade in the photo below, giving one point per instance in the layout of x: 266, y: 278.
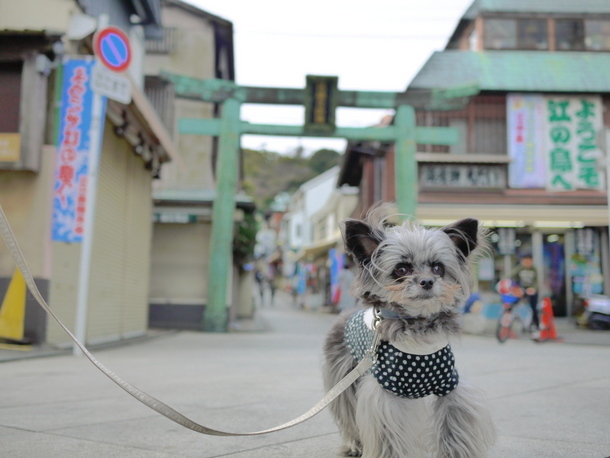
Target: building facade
x: 531, y: 160
x: 198, y: 45
x: 36, y: 175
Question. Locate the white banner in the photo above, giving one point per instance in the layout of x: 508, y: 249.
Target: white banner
x: 525, y: 116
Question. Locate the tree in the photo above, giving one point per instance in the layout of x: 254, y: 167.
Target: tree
x: 323, y: 159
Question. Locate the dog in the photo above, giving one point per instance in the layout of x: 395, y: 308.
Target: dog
x: 411, y: 281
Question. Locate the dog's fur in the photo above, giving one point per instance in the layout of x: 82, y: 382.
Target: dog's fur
x: 394, y: 264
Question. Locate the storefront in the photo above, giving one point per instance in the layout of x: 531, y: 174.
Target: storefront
x: 569, y: 246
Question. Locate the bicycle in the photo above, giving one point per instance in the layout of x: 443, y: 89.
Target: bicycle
x: 510, y: 323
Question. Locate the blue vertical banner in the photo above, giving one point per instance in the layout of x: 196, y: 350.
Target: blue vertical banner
x: 335, y: 270
x: 73, y: 150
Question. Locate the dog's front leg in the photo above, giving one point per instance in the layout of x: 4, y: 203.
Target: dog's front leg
x: 463, y: 426
x: 389, y: 426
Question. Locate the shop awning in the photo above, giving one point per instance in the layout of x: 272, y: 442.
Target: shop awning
x: 542, y: 216
x: 317, y: 249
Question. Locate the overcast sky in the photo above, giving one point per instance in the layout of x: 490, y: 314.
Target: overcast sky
x: 374, y: 45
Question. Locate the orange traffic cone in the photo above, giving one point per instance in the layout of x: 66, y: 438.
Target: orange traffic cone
x: 548, y: 331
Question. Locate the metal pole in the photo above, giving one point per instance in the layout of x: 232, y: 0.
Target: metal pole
x: 215, y: 317
x: 406, y: 187
x: 98, y: 112
x: 97, y: 130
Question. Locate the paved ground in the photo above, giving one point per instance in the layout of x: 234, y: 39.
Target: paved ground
x: 549, y: 400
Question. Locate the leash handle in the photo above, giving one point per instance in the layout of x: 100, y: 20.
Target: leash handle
x: 148, y: 400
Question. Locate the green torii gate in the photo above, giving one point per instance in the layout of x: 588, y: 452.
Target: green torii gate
x: 320, y: 97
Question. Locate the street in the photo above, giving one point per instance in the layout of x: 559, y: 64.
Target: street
x: 549, y: 399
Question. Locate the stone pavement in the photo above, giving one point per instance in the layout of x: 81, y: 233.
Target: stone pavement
x: 549, y: 399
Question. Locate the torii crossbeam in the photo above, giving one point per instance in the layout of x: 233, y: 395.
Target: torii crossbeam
x: 321, y: 96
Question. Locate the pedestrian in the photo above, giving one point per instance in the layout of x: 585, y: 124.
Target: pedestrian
x: 346, y: 300
x: 260, y: 280
x: 272, y: 284
x: 526, y: 276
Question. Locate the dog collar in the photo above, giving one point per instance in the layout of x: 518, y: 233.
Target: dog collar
x: 391, y: 314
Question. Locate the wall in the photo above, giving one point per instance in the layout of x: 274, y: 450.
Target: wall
x: 118, y: 289
x: 192, y: 56
x: 179, y: 263
x: 50, y: 14
x: 25, y: 198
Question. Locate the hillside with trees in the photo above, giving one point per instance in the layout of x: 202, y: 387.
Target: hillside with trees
x: 266, y: 174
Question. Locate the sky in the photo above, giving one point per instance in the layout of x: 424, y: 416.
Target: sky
x: 376, y: 45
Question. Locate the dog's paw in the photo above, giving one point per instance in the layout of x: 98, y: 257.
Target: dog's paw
x: 352, y: 450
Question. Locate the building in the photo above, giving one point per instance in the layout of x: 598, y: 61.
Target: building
x: 198, y: 45
x: 530, y: 162
x: 46, y: 52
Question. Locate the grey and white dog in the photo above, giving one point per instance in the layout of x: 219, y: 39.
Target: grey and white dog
x: 412, y: 281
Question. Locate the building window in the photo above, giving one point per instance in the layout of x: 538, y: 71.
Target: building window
x: 161, y: 94
x: 570, y: 34
x: 164, y: 45
x: 515, y: 34
x: 597, y: 35
x: 532, y: 34
x: 481, y: 125
x: 500, y: 34
x: 10, y: 94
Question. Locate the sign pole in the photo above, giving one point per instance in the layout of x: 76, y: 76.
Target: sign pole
x: 98, y: 111
x: 97, y: 130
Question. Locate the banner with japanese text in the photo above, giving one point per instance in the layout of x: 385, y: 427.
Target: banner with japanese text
x: 553, y: 142
x: 74, y: 144
x: 572, y: 128
x: 525, y: 118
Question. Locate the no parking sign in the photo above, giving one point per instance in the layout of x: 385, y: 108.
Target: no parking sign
x: 113, y: 50
x: 112, y: 47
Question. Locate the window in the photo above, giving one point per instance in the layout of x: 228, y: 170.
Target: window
x: 161, y: 96
x: 10, y: 94
x: 532, y: 34
x: 597, y: 35
x: 499, y: 34
x: 515, y: 34
x: 165, y: 45
x: 570, y: 34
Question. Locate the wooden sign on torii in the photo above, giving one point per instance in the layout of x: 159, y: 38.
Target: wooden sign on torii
x: 321, y: 97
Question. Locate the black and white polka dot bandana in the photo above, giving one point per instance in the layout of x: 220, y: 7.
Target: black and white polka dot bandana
x: 403, y: 374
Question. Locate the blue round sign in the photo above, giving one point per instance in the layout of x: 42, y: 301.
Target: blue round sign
x: 112, y: 47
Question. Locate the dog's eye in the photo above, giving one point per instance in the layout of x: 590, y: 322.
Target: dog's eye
x: 438, y: 269
x: 402, y: 270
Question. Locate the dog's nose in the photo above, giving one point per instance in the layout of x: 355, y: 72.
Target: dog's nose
x: 426, y: 283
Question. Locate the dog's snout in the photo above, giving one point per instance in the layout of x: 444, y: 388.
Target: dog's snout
x: 426, y: 283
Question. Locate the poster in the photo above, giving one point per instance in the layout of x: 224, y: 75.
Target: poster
x: 553, y: 142
x: 73, y: 149
x: 525, y: 115
x: 572, y: 128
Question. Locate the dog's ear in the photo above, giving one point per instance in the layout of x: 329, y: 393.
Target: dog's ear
x: 464, y: 234
x: 360, y: 240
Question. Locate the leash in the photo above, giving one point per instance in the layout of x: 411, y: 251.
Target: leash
x: 158, y: 406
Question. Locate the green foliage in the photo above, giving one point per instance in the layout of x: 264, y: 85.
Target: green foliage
x: 267, y: 174
x: 244, y: 239
x: 323, y: 159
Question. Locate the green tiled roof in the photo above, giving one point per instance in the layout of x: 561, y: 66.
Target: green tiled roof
x: 537, y: 6
x: 516, y: 71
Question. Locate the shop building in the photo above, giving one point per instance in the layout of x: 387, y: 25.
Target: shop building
x: 531, y: 160
x: 33, y: 175
x: 194, y: 44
